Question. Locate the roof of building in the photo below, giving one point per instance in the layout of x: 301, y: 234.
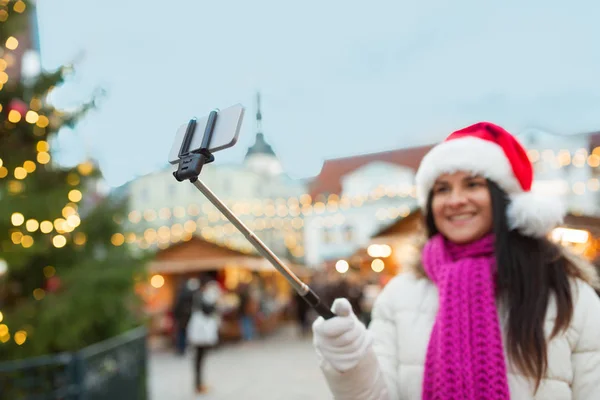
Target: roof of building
x: 260, y: 146
x: 329, y: 179
x: 394, y: 226
x: 594, y: 140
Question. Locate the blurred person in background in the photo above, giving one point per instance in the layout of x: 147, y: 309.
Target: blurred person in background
x: 249, y: 308
x: 493, y: 311
x: 182, y: 310
x: 203, y: 327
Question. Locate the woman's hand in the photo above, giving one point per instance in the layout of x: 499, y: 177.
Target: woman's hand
x: 342, y: 340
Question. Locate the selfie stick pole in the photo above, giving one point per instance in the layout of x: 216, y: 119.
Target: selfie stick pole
x: 190, y: 166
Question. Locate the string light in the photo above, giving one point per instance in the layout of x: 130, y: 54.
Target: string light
x: 42, y: 121
x: 19, y: 6
x: 59, y: 241
x: 20, y: 337
x: 20, y: 173
x: 11, y: 43
x: 68, y: 210
x: 31, y: 117
x: 117, y: 239
x: 46, y: 226
x: 4, y: 333
x: 43, y: 157
x: 29, y: 166
x: 58, y: 225
x: 134, y: 217
x: 17, y: 219
x: 15, y: 187
x: 35, y: 104
x: 342, y: 266
x: 49, y: 271
x: 73, y: 179
x: 39, y: 294
x: 26, y: 241
x: 14, y: 116
x: 75, y: 195
x: 16, y: 237
x: 157, y: 281
x: 42, y: 146
x: 79, y: 238
x: 377, y: 265
x: 74, y: 220
x: 85, y: 168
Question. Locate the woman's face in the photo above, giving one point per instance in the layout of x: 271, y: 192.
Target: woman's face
x: 461, y: 207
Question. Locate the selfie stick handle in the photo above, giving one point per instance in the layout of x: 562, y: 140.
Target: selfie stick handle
x: 190, y: 166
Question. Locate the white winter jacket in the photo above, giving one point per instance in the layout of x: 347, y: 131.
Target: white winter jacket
x: 203, y: 329
x: 402, y: 321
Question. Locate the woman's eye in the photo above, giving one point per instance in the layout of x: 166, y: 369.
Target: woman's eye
x: 440, y: 189
x: 473, y: 184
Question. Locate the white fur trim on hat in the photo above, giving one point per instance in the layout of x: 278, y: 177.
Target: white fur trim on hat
x: 534, y: 214
x: 469, y: 154
x: 531, y: 213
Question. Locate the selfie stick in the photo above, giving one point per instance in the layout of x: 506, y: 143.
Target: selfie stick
x: 190, y: 166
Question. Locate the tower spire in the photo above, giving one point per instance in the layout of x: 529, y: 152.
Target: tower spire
x: 260, y: 157
x: 258, y: 115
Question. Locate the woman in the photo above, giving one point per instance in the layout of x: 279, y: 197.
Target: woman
x: 495, y: 311
x: 203, y: 328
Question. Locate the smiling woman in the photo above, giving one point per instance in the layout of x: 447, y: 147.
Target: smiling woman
x: 461, y: 206
x: 493, y: 309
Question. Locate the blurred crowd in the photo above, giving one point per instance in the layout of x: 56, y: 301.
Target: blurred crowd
x: 256, y: 308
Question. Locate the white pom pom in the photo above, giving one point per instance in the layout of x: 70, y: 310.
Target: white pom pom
x: 534, y: 214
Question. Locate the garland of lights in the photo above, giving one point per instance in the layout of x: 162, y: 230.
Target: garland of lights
x: 305, y: 205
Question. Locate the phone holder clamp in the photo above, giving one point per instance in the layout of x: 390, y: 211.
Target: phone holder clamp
x: 191, y: 162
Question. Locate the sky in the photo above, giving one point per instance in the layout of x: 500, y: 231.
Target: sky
x: 337, y: 78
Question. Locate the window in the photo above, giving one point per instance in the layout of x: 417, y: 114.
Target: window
x: 328, y: 236
x: 348, y: 233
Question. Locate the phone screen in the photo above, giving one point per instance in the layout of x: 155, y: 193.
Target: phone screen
x: 225, y: 134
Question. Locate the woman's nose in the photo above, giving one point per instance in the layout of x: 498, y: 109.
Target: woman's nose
x: 457, y: 197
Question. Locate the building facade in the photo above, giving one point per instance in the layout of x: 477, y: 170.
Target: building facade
x: 164, y: 211
x: 358, y: 196
x: 371, y: 196
x: 566, y: 166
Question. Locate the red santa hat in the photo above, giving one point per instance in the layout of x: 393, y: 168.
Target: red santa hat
x: 489, y: 150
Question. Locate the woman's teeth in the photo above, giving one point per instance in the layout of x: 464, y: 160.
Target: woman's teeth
x: 461, y: 217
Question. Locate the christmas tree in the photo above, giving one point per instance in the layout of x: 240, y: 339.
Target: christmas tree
x: 67, y: 276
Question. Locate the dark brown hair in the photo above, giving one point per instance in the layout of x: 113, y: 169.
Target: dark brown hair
x: 529, y: 271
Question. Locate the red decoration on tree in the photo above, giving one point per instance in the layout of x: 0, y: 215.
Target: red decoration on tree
x: 53, y: 284
x: 18, y: 105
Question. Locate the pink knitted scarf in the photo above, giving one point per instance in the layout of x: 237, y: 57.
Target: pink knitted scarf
x: 465, y: 357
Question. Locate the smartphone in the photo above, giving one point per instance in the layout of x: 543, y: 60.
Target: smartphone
x: 225, y: 134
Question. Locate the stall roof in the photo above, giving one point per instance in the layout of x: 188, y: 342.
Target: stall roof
x: 197, y: 255
x: 415, y: 214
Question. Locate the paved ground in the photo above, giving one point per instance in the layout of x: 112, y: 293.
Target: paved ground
x: 281, y: 367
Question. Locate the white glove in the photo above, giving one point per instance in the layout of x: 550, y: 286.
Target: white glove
x: 342, y: 340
